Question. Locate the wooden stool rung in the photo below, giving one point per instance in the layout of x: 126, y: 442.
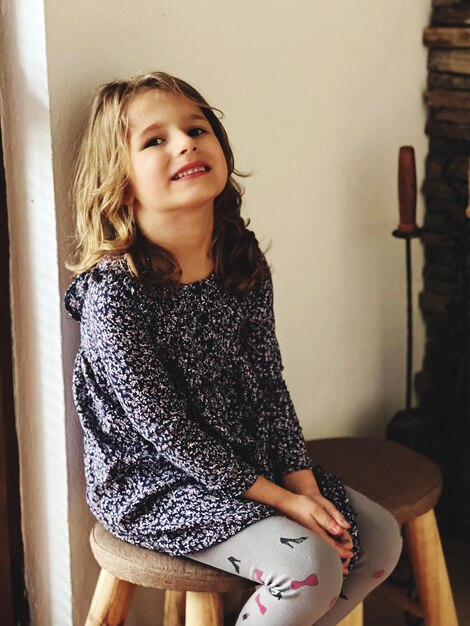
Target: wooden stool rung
x: 398, y: 597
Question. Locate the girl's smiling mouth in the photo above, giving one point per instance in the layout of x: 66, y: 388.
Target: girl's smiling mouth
x: 191, y: 170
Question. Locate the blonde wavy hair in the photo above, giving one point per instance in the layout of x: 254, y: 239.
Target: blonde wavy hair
x: 105, y: 224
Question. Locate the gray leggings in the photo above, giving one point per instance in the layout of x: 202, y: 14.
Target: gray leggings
x: 298, y: 575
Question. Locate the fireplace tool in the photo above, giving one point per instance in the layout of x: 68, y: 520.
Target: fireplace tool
x: 408, y: 426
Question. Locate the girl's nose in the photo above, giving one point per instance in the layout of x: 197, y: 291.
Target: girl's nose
x: 187, y: 144
x: 188, y: 149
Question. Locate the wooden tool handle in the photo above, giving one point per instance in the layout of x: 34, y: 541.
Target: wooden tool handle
x: 407, y: 190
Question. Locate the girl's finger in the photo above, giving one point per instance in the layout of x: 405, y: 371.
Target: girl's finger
x: 341, y: 551
x: 346, y: 547
x: 324, y: 518
x: 345, y: 540
x: 335, y: 514
x: 345, y: 566
x: 328, y: 523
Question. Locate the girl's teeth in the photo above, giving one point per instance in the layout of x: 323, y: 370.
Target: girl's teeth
x: 191, y: 171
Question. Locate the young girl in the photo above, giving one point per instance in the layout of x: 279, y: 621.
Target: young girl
x: 192, y: 443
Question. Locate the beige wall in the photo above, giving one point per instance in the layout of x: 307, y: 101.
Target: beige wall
x: 318, y: 98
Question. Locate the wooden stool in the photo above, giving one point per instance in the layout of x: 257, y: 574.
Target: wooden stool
x: 404, y: 482
x: 192, y: 588
x: 408, y: 485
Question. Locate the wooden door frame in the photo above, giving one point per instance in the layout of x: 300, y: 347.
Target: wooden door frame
x: 13, y: 601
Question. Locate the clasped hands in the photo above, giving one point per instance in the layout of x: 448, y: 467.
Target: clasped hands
x: 308, y: 507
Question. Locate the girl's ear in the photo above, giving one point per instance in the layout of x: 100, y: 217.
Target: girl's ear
x: 128, y: 196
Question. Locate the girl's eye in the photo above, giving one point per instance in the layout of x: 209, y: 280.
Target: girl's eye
x: 155, y: 141
x: 195, y: 132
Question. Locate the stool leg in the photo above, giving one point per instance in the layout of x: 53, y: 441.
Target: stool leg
x: 430, y: 571
x: 111, y: 601
x: 355, y: 618
x: 174, y: 609
x: 204, y: 609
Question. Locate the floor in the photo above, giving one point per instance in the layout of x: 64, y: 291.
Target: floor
x: 380, y: 612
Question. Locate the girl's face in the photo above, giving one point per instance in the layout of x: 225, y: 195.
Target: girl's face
x: 176, y: 160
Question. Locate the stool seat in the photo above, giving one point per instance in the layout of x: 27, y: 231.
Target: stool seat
x: 148, y: 568
x: 403, y: 481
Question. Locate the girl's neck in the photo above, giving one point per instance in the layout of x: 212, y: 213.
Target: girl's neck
x: 188, y: 240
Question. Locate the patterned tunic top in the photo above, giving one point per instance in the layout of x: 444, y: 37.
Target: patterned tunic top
x: 183, y: 405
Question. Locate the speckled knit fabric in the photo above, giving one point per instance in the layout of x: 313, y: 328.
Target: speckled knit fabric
x: 183, y: 404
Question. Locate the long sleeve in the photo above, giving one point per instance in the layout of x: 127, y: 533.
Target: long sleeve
x: 287, y: 446
x: 116, y: 324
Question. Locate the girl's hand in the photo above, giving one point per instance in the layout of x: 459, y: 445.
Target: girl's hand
x: 321, y: 517
x: 301, y: 501
x: 346, y: 542
x: 345, y: 539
